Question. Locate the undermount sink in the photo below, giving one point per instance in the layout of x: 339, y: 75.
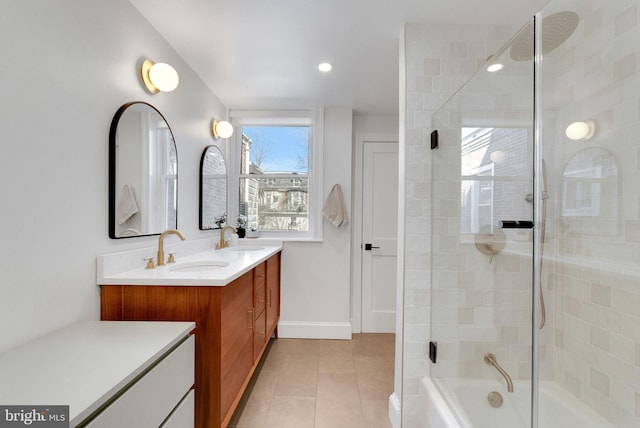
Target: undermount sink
x: 201, y: 266
x: 246, y: 248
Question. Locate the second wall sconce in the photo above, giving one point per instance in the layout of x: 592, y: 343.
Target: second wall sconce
x: 159, y: 76
x: 221, y: 129
x: 581, y: 130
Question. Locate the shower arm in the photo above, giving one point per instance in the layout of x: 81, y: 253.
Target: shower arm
x: 491, y: 359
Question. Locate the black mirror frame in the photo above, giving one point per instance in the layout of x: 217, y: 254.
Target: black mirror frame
x: 112, y: 168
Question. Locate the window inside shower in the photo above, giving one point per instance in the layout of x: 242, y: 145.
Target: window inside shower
x: 492, y: 161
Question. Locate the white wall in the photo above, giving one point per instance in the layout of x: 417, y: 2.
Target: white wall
x: 67, y: 66
x: 316, y: 284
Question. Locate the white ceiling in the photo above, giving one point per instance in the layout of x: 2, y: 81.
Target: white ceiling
x: 264, y: 54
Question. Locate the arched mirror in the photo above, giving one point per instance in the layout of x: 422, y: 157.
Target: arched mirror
x: 590, y: 193
x: 213, y: 188
x: 143, y: 173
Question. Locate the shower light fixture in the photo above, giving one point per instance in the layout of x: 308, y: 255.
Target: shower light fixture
x: 493, y: 67
x: 221, y: 129
x: 325, y: 67
x: 581, y: 130
x: 159, y: 76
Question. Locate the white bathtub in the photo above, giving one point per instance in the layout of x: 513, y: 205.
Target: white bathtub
x: 462, y: 403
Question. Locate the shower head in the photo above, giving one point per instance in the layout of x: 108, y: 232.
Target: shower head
x: 555, y: 30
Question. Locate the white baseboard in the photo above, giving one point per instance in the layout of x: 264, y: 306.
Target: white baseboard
x: 314, y: 330
x: 394, y: 411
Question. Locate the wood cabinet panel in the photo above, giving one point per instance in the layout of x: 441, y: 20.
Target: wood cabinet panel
x: 236, y: 338
x: 259, y: 291
x: 273, y: 294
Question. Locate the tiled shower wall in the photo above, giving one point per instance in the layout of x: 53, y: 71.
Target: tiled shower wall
x: 591, y: 280
x: 439, y: 59
x: 596, y: 283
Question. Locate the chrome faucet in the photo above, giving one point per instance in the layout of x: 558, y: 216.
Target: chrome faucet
x: 160, y: 260
x: 491, y: 359
x: 224, y: 244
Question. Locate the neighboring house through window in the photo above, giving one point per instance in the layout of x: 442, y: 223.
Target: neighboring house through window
x: 279, y: 172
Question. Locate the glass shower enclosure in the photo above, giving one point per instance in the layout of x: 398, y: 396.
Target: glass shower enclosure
x: 534, y: 208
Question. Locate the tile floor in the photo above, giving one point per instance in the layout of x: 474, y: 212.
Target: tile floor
x: 321, y: 384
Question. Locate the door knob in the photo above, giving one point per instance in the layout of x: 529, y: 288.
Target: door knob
x: 369, y: 247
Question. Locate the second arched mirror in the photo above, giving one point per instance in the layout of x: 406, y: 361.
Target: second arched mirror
x: 213, y: 188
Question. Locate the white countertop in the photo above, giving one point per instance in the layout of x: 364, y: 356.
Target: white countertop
x: 240, y: 260
x: 84, y: 364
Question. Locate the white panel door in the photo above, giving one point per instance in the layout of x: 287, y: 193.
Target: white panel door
x: 379, y: 236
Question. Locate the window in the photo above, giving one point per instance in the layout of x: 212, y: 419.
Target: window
x: 278, y: 174
x: 495, y: 168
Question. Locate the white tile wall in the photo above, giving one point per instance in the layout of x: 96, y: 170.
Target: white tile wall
x: 438, y: 60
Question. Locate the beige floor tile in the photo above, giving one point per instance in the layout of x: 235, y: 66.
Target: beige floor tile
x: 336, y: 365
x: 340, y: 386
x: 295, y: 347
x: 339, y: 413
x: 297, y: 384
x: 375, y: 386
x: 291, y: 412
x: 376, y: 413
x: 372, y: 365
x: 263, y: 384
x: 250, y: 413
x: 365, y: 345
x: 336, y: 348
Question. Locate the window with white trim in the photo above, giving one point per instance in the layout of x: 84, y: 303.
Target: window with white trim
x: 279, y: 173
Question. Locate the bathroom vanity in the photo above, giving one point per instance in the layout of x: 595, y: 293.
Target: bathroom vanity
x: 110, y: 374
x: 236, y: 308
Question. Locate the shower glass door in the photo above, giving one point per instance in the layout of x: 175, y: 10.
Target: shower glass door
x: 590, y: 140
x: 482, y: 275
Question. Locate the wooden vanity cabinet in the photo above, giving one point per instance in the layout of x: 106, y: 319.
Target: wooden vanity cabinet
x: 231, y: 335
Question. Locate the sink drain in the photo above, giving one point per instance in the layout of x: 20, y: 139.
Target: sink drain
x: 495, y: 399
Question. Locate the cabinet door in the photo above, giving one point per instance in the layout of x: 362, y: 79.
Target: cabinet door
x: 260, y: 336
x: 236, y: 338
x: 273, y: 293
x: 259, y: 288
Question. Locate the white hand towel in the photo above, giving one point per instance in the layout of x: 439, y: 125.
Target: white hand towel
x: 127, y: 205
x: 334, y: 208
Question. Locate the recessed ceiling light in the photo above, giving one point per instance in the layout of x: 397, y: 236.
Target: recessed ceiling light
x: 496, y: 66
x: 325, y: 67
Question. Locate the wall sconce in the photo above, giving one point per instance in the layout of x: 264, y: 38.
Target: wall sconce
x: 159, y: 76
x: 493, y: 64
x: 581, y: 130
x: 221, y: 129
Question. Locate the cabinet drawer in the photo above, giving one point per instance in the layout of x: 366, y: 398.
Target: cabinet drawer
x: 150, y: 400
x: 184, y: 415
